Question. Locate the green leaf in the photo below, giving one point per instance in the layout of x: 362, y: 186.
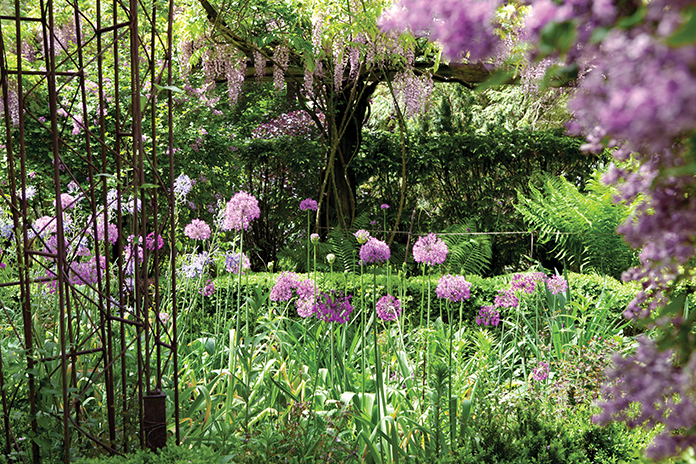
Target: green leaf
x: 633, y: 20
x: 557, y: 36
x: 497, y: 79
x: 686, y: 34
x: 147, y: 186
x: 168, y: 87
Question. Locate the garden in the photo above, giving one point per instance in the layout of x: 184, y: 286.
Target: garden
x: 420, y: 231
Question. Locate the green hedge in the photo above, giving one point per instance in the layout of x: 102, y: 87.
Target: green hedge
x: 413, y: 291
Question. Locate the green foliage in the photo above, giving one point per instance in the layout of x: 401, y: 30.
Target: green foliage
x: 171, y: 454
x: 582, y: 226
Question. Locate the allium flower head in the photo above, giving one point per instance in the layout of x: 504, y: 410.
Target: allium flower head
x: 374, y: 251
x: 384, y: 206
x: 527, y: 282
x: 488, y: 315
x: 232, y: 262
x: 197, y: 230
x: 388, y: 308
x: 208, y: 289
x: 314, y: 238
x: 506, y: 299
x: 305, y: 307
x: 333, y: 307
x: 331, y: 258
x: 362, y: 236
x: 541, y: 373
x: 151, y: 241
x: 102, y: 231
x: 557, y: 284
x: 240, y: 211
x: 196, y: 266
x: 282, y: 290
x: 308, y: 205
x: 430, y: 250
x: 45, y: 225
x: 453, y: 288
x: 66, y: 201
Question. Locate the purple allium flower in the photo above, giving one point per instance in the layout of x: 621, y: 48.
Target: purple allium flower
x: 527, y: 282
x: 208, y: 289
x: 453, y: 288
x: 182, y: 186
x: 66, y: 201
x: 111, y: 230
x: 384, y: 206
x: 151, y: 241
x: 314, y: 238
x: 282, y: 290
x: 197, y: 230
x: 45, y: 225
x: 488, y: 315
x: 240, y: 211
x: 374, y: 251
x: 73, y: 187
x: 305, y: 289
x: 430, y: 250
x: 308, y: 205
x: 232, y: 262
x: 506, y: 299
x: 557, y: 284
x: 362, y: 236
x: 541, y: 373
x: 388, y: 308
x: 305, y: 307
x: 133, y: 253
x: 333, y: 307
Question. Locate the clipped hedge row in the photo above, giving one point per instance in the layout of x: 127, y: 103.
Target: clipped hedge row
x: 412, y: 290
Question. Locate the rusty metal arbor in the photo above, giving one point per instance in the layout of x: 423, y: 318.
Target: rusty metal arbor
x: 88, y: 293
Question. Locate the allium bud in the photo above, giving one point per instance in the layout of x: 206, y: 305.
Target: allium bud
x: 314, y: 238
x: 331, y: 258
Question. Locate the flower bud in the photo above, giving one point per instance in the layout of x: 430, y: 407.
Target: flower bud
x: 314, y: 238
x: 331, y: 258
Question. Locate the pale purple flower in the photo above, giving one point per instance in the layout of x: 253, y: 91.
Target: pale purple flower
x: 541, y: 372
x: 453, y: 288
x: 557, y: 284
x: 240, y: 211
x: 488, y: 315
x: 308, y: 205
x: 305, y: 307
x: 208, y: 289
x: 282, y: 290
x: 66, y: 201
x: 232, y: 262
x: 314, y: 238
x: 384, y: 206
x: 374, y: 251
x: 506, y: 299
x: 182, y: 186
x: 197, y: 265
x: 362, y: 236
x: 430, y: 249
x: 152, y: 241
x: 388, y: 308
x: 527, y: 282
x: 305, y: 289
x: 197, y: 230
x: 111, y: 230
x: 45, y: 225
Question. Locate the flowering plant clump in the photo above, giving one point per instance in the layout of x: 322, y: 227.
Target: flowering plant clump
x: 430, y: 249
x: 334, y: 307
x: 305, y: 290
x: 232, y: 262
x: 488, y: 315
x: 453, y: 288
x: 240, y: 211
x: 197, y: 230
x: 362, y: 236
x: 374, y: 251
x: 557, y: 284
x: 308, y: 205
x: 152, y: 242
x: 388, y: 308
